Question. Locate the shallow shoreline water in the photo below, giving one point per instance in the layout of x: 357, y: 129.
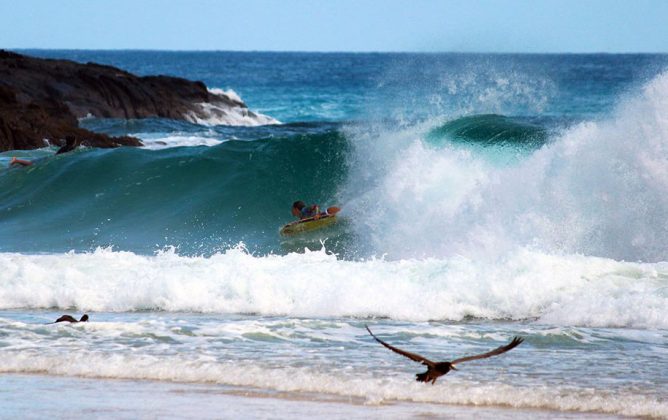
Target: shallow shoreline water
x: 39, y: 396
x: 556, y: 371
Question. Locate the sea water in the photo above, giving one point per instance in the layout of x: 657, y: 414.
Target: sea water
x: 483, y: 197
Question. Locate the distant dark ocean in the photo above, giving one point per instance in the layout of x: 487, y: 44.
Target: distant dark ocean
x: 483, y: 196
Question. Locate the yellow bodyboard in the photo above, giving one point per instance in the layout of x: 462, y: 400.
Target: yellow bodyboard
x: 307, y: 225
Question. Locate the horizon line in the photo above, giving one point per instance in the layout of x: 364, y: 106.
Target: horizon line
x: 334, y: 51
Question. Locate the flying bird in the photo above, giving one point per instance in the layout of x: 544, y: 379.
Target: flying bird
x: 438, y: 369
x: 69, y: 318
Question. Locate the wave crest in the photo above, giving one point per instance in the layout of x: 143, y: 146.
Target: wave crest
x: 490, y: 130
x: 598, y: 188
x: 567, y: 290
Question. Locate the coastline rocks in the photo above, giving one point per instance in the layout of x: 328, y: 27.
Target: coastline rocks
x: 42, y: 99
x: 38, y: 123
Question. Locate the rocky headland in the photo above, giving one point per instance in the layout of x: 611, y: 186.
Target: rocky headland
x: 42, y: 100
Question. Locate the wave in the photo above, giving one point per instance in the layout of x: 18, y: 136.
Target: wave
x: 596, y: 188
x: 557, y: 290
x: 372, y: 390
x: 490, y: 129
x: 200, y: 199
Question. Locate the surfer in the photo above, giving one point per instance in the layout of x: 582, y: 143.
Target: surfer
x: 302, y: 211
x: 310, y: 218
x: 70, y: 318
x: 71, y: 143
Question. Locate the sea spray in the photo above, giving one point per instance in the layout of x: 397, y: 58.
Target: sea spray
x: 560, y: 290
x: 596, y: 188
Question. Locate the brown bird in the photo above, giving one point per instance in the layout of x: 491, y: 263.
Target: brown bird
x: 69, y: 318
x: 437, y: 369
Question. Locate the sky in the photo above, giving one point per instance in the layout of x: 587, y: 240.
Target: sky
x: 529, y: 26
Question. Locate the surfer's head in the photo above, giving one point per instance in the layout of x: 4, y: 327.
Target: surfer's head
x: 297, y: 207
x: 71, y: 143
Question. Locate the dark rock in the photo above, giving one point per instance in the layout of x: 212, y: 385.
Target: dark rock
x: 42, y: 100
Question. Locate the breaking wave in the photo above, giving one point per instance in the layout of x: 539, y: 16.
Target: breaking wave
x: 559, y: 290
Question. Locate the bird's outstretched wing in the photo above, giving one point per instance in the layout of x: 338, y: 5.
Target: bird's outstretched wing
x: 412, y: 356
x: 499, y: 350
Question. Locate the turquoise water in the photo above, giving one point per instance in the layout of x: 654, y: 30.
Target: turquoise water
x: 483, y: 196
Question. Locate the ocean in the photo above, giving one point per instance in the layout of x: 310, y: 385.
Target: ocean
x: 483, y: 196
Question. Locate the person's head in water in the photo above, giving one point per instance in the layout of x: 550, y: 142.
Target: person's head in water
x: 297, y: 207
x: 71, y: 143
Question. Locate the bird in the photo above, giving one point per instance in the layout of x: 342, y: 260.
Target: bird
x: 438, y: 369
x: 69, y: 318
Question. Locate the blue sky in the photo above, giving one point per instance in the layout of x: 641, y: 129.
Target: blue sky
x: 338, y: 25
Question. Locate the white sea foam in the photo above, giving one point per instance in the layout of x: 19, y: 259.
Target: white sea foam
x: 229, y: 93
x: 561, y: 290
x: 179, y: 141
x: 210, y: 114
x: 230, y: 111
x: 368, y: 386
x: 599, y: 188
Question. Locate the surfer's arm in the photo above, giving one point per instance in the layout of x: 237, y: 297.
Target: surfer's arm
x: 21, y: 162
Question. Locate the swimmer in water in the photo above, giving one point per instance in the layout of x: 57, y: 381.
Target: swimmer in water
x: 70, y: 318
x: 71, y: 143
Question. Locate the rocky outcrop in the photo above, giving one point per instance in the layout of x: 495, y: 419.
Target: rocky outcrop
x: 42, y: 99
x: 30, y: 124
